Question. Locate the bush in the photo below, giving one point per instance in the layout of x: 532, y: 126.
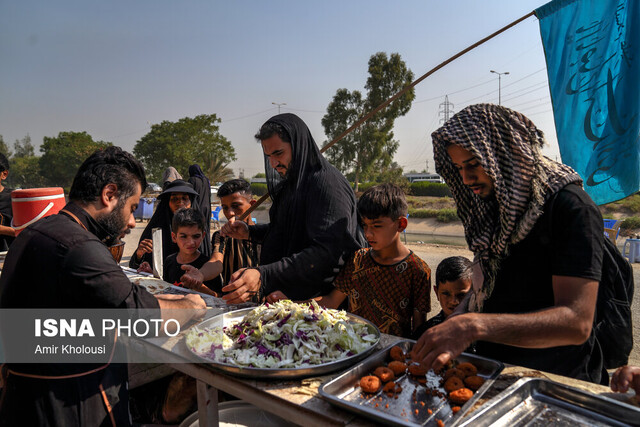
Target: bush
x: 258, y: 188
x: 441, y: 215
x: 630, y: 223
x: 364, y: 186
x: 433, y: 189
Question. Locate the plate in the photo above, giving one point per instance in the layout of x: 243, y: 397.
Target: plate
x: 415, y: 405
x: 151, y: 284
x: 236, y: 316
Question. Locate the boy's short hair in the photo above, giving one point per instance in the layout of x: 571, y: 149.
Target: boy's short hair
x: 235, y: 186
x: 453, y: 268
x: 187, y: 217
x: 4, y: 163
x: 270, y: 129
x: 383, y: 200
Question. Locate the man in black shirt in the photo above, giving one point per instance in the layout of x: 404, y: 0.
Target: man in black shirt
x: 538, y: 244
x: 7, y: 233
x: 62, y: 261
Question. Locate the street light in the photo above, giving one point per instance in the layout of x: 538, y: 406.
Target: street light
x: 499, y: 85
x: 279, y: 104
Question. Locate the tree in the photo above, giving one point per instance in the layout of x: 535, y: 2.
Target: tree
x: 63, y: 155
x: 371, y: 146
x: 4, y: 148
x: 183, y: 143
x: 215, y: 169
x: 25, y: 173
x: 23, y: 147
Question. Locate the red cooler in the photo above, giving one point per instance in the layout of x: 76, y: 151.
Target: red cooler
x: 31, y: 204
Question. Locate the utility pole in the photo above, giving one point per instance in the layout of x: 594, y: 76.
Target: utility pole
x: 499, y: 85
x: 279, y: 105
x: 446, y: 110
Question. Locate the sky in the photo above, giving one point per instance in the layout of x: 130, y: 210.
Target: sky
x: 114, y: 68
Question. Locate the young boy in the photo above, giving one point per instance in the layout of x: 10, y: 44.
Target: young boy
x: 187, y: 232
x: 453, y: 282
x: 230, y: 255
x: 386, y: 283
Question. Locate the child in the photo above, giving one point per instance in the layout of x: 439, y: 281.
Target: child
x: 453, y: 282
x: 386, y: 283
x: 229, y: 255
x: 187, y: 232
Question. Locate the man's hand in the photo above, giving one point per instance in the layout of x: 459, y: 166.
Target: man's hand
x: 192, y: 277
x: 145, y: 268
x: 443, y: 342
x: 625, y: 377
x: 235, y: 229
x: 181, y: 308
x: 276, y: 296
x: 145, y: 247
x: 244, y: 284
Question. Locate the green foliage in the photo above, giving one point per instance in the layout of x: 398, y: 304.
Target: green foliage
x: 23, y: 147
x: 630, y: 223
x: 441, y: 215
x: 215, y: 169
x: 183, y: 143
x: 258, y: 188
x: 371, y: 147
x: 63, y: 155
x: 4, y: 148
x: 424, y: 188
x: 25, y: 173
x: 365, y: 186
x: 631, y: 203
x: 259, y: 175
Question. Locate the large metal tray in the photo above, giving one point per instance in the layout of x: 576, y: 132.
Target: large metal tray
x: 541, y: 402
x: 407, y: 409
x: 287, y: 373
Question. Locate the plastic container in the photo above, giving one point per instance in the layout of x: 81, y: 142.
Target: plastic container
x: 239, y: 413
x: 145, y: 208
x: 631, y: 250
x: 31, y: 204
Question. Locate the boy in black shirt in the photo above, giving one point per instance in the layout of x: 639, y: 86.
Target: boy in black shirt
x: 453, y: 283
x: 188, y: 232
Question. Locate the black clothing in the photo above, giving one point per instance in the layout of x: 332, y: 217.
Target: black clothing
x: 172, y: 271
x: 566, y: 241
x: 6, y: 215
x: 313, y: 224
x: 56, y: 263
x: 435, y: 320
x: 202, y: 203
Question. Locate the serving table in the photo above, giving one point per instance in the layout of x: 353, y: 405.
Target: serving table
x: 298, y: 401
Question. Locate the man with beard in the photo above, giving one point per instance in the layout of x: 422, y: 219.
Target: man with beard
x: 62, y: 261
x: 313, y: 223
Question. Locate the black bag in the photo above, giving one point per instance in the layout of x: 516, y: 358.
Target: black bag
x: 613, y: 328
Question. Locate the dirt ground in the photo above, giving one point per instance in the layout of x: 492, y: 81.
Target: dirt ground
x: 432, y: 254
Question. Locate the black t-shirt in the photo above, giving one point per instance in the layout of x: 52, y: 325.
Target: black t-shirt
x: 172, y: 271
x: 7, y: 215
x: 566, y: 241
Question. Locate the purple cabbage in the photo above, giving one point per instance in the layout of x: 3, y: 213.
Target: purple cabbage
x: 284, y: 320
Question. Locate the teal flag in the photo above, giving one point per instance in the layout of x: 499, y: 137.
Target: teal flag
x: 592, y: 48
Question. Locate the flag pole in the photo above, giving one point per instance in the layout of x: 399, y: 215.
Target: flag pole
x: 399, y: 94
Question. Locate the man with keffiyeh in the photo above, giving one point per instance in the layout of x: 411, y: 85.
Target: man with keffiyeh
x: 538, y: 243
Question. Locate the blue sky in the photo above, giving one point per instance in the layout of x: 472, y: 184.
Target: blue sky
x: 114, y: 68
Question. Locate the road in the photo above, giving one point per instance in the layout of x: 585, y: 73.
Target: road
x: 432, y: 254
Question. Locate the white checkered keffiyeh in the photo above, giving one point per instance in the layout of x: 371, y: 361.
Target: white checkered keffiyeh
x: 508, y: 146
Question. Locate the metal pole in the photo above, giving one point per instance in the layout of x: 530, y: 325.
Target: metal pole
x: 499, y: 85
x: 279, y: 104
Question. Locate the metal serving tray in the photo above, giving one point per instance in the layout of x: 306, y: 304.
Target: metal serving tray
x: 286, y: 373
x: 408, y: 409
x: 541, y: 402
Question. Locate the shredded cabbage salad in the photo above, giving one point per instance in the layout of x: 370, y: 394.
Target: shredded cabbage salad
x: 283, y: 335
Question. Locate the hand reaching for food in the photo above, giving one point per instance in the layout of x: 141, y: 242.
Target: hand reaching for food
x: 276, y: 296
x: 625, y: 377
x: 145, y: 267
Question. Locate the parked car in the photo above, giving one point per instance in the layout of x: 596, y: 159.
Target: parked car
x: 152, y: 187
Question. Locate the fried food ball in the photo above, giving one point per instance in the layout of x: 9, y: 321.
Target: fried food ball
x: 385, y: 374
x: 397, y: 367
x: 453, y: 372
x: 453, y: 383
x: 468, y: 369
x: 370, y: 384
x: 455, y: 409
x: 417, y: 370
x: 396, y: 353
x: 474, y: 382
x: 460, y: 396
x: 389, y: 387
